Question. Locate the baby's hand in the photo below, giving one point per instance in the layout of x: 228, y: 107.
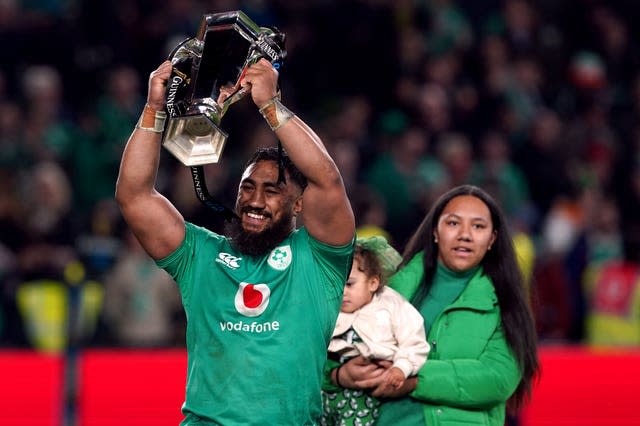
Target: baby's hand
x: 394, y: 377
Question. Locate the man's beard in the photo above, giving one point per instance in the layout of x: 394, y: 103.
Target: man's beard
x: 258, y: 243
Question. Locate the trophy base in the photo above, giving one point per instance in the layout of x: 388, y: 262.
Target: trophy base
x: 194, y: 140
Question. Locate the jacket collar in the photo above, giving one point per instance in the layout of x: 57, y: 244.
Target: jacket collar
x: 479, y: 293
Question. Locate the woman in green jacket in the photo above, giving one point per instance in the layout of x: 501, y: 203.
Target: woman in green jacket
x: 459, y: 269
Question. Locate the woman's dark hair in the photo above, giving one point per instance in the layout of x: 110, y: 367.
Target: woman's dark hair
x: 501, y: 266
x: 280, y: 158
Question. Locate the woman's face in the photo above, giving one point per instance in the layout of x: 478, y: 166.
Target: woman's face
x: 464, y: 233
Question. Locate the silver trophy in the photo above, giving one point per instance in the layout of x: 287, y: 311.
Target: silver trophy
x: 205, y: 81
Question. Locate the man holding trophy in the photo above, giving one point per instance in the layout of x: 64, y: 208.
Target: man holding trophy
x: 261, y: 302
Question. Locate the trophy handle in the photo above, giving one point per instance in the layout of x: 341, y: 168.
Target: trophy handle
x: 255, y: 55
x: 178, y: 47
x: 234, y: 97
x: 240, y: 91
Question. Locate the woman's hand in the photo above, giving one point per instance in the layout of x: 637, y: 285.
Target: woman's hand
x: 365, y: 374
x: 387, y: 390
x: 361, y: 373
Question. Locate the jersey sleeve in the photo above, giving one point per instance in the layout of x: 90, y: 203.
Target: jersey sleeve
x: 334, y: 261
x: 179, y: 263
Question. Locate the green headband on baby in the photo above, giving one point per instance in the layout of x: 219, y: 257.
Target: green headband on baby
x: 388, y: 257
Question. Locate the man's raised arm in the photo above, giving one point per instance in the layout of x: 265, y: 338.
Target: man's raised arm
x: 153, y: 219
x: 328, y: 216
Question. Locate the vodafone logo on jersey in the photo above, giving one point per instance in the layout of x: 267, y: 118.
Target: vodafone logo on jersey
x: 252, y: 299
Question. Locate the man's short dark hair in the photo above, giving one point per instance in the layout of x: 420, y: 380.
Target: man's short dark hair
x: 280, y: 158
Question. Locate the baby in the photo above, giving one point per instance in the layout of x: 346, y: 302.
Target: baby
x: 375, y: 322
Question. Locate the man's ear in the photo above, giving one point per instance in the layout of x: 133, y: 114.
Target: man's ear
x: 297, y: 206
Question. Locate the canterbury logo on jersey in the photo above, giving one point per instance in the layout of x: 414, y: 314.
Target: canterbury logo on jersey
x: 229, y: 260
x: 252, y: 299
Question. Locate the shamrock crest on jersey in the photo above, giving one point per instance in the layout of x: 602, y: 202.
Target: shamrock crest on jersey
x: 280, y: 258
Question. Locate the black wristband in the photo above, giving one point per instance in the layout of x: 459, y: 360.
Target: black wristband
x: 338, y: 376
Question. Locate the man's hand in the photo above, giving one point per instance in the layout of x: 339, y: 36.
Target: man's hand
x: 261, y: 79
x: 157, y: 93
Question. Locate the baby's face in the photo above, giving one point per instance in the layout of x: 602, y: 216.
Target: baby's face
x: 359, y: 289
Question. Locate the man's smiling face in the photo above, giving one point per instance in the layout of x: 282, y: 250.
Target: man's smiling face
x: 266, y: 208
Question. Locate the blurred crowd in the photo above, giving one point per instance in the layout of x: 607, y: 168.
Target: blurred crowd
x: 538, y: 102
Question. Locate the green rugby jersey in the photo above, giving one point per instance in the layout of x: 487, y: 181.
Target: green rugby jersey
x: 257, y: 327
